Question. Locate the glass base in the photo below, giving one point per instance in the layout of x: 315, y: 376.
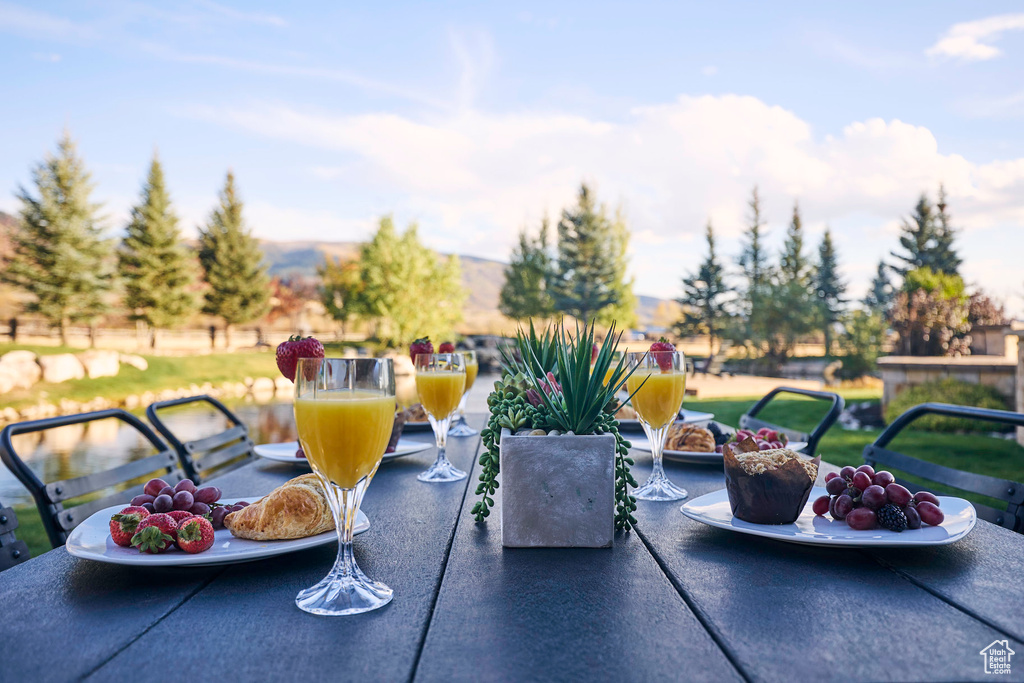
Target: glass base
x: 337, y: 596
x: 659, y: 489
x: 460, y: 428
x: 442, y: 471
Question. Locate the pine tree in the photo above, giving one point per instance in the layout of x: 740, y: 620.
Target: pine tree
x: 524, y: 294
x: 788, y: 311
x: 623, y: 311
x: 232, y: 261
x: 880, y: 293
x: 584, y: 281
x: 58, y: 252
x: 944, y: 258
x: 753, y: 259
x: 828, y: 288
x: 704, y: 298
x: 157, y: 271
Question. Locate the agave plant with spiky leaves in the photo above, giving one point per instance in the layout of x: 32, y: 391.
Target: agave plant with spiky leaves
x: 569, y: 394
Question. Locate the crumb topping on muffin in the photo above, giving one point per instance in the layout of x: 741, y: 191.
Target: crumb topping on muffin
x: 759, y: 462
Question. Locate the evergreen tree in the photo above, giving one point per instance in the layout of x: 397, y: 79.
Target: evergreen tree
x: 524, y: 294
x: 584, y: 281
x: 623, y: 311
x: 156, y: 269
x: 232, y: 261
x: 944, y: 258
x: 918, y: 238
x: 58, y: 251
x: 757, y: 275
x: 828, y: 288
x: 704, y: 298
x: 880, y: 293
x: 788, y: 311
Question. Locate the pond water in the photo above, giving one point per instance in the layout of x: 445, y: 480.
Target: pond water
x: 76, y: 450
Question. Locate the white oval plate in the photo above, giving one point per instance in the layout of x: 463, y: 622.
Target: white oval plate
x: 285, y: 451
x: 697, y: 457
x: 690, y: 416
x: 91, y: 540
x: 811, y: 529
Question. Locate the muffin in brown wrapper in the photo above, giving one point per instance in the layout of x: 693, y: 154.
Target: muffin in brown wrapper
x: 396, y: 432
x: 767, y: 487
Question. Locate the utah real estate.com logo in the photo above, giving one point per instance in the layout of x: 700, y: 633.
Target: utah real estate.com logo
x: 997, y: 657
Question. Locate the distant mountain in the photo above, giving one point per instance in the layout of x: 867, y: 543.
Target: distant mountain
x: 482, y: 278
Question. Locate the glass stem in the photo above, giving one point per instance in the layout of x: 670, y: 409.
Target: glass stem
x: 657, y: 437
x: 462, y: 409
x: 441, y: 438
x: 344, y: 505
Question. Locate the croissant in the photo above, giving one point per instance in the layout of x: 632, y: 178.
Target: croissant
x: 296, y: 509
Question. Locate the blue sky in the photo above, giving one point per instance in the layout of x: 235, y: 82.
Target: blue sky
x: 477, y: 119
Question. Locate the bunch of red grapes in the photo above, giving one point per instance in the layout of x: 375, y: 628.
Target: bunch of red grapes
x: 159, y: 496
x: 866, y: 499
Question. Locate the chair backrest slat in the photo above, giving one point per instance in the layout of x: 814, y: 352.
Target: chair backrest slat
x: 50, y: 498
x: 815, y: 434
x: 1011, y: 492
x: 211, y: 455
x: 12, y: 551
x: 67, y: 489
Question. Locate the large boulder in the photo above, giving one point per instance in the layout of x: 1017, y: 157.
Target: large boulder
x: 137, y: 362
x: 100, y: 363
x: 18, y: 370
x: 61, y: 367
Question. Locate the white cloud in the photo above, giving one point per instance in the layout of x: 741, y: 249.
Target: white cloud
x: 971, y: 40
x: 474, y: 178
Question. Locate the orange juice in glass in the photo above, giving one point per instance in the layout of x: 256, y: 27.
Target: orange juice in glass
x: 441, y: 384
x: 344, y: 411
x: 459, y: 425
x: 657, y: 386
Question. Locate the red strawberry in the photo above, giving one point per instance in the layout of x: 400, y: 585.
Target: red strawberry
x: 593, y: 354
x: 289, y: 353
x: 421, y: 345
x: 446, y: 347
x: 179, y: 515
x: 124, y: 524
x: 300, y: 453
x: 155, y: 533
x: 662, y: 352
x: 195, y: 535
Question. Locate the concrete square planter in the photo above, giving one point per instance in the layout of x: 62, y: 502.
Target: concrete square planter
x: 557, y: 491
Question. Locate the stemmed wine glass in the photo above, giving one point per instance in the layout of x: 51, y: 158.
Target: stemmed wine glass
x: 344, y: 411
x: 459, y: 426
x: 440, y: 383
x: 658, y: 384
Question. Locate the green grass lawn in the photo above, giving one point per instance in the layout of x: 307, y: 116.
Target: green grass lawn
x: 165, y: 372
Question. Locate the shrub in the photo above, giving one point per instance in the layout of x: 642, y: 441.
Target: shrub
x: 948, y: 391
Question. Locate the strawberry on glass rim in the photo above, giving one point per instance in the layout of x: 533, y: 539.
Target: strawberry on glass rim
x: 661, y: 351
x: 420, y: 346
x: 289, y: 353
x: 446, y: 347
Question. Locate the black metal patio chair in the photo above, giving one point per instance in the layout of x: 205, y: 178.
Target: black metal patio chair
x: 749, y: 420
x: 1010, y: 492
x: 12, y: 551
x: 52, y: 498
x: 211, y: 455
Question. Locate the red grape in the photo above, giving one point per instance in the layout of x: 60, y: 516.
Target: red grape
x: 720, y: 448
x: 149, y: 506
x: 898, y: 495
x: 167, y: 491
x: 861, y: 519
x: 842, y: 507
x: 836, y: 486
x: 154, y: 487
x: 867, y: 469
x: 764, y: 445
x: 183, y: 500
x: 218, y: 516
x: 820, y: 506
x: 163, y: 503
x: 199, y: 508
x: 847, y: 472
x: 925, y: 497
x: 143, y: 498
x: 913, y: 519
x: 185, y: 485
x: 830, y: 476
x: 873, y: 497
x: 883, y: 478
x: 861, y: 480
x: 207, y: 494
x: 241, y: 504
x: 930, y: 513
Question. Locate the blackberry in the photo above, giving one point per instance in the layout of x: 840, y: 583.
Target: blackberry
x: 720, y: 438
x: 891, y: 517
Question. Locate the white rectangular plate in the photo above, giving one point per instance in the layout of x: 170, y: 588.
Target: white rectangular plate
x: 714, y: 509
x: 91, y: 540
x: 285, y: 451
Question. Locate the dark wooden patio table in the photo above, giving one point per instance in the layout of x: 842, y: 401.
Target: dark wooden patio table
x: 675, y: 600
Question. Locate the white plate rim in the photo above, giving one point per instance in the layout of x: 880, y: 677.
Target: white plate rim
x: 701, y: 457
x: 407, y: 446
x: 891, y: 539
x: 82, y: 543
